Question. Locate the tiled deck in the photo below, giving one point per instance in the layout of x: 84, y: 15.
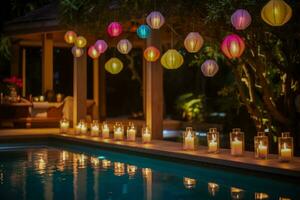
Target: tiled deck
x: 172, y: 150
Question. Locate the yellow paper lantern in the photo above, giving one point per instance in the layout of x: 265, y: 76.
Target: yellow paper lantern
x: 80, y: 42
x: 193, y: 42
x: 172, y: 59
x: 70, y: 37
x: 276, y: 13
x: 114, y: 65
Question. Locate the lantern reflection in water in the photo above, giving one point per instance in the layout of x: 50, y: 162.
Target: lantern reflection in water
x: 236, y: 193
x: 106, y: 164
x: 213, y: 188
x: 95, y: 161
x: 131, y: 170
x: 260, y: 195
x: 189, y: 183
x: 147, y: 172
x: 119, y: 169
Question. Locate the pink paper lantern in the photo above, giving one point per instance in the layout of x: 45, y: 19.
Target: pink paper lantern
x: 233, y: 46
x: 93, y: 53
x: 209, y: 68
x: 114, y: 29
x: 155, y: 20
x: 101, y: 46
x: 241, y: 19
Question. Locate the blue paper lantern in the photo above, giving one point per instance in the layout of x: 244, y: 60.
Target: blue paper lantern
x: 143, y: 31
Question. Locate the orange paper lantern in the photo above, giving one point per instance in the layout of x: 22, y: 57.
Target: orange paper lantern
x: 151, y: 54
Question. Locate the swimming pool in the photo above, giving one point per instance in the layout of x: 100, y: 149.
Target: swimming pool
x: 67, y: 171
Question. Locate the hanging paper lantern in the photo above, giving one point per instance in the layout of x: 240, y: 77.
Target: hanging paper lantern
x: 124, y: 46
x: 172, y: 59
x: 143, y: 31
x: 70, y: 37
x: 114, y: 65
x: 209, y: 68
x: 151, y: 54
x: 155, y: 20
x: 276, y: 13
x: 77, y: 52
x: 80, y: 42
x: 193, y: 42
x: 233, y: 46
x: 101, y: 46
x: 114, y: 29
x: 93, y: 53
x: 241, y: 19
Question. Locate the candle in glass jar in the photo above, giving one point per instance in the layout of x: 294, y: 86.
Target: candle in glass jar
x: 147, y: 137
x: 118, y: 134
x: 262, y: 151
x: 105, y: 131
x: 78, y: 129
x: 285, y: 153
x: 42, y: 98
x: 236, y: 147
x: 212, y: 146
x: 189, y: 141
x: 83, y: 129
x: 95, y: 130
x: 131, y: 134
x: 64, y: 126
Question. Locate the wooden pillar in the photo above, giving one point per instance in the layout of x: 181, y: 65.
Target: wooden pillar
x: 153, y: 72
x: 96, y: 88
x: 24, y: 72
x: 47, y: 62
x: 102, y: 89
x: 14, y: 63
x: 79, y: 88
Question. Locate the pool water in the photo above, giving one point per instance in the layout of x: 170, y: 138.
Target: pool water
x: 66, y: 171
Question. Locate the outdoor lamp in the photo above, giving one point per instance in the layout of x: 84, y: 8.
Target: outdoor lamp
x: 131, y: 132
x: 80, y: 42
x: 285, y: 147
x: 189, y: 139
x: 151, y: 54
x: 114, y: 29
x: 143, y: 31
x: 193, y: 42
x: 93, y: 53
x: 155, y: 20
x: 146, y: 135
x: 114, y: 65
x: 101, y: 46
x: 77, y: 52
x: 237, y: 142
x: 209, y: 68
x: 261, y: 145
x: 276, y: 13
x: 172, y: 59
x: 233, y: 46
x: 70, y: 37
x: 241, y: 19
x: 124, y: 46
x: 213, y: 140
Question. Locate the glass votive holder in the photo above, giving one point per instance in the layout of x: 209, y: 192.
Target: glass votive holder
x: 105, y: 130
x: 95, y: 128
x: 64, y: 125
x: 83, y: 129
x: 213, y: 140
x: 285, y: 147
x: 189, y: 139
x: 237, y: 142
x: 118, y: 131
x: 146, y: 135
x: 131, y: 132
x: 261, y: 145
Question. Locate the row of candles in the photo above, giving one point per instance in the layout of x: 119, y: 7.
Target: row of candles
x: 190, y: 139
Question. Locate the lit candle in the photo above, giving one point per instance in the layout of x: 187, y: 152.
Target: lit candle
x: 78, y: 129
x: 146, y: 136
x: 131, y: 132
x: 42, y: 98
x: 95, y: 130
x: 213, y: 145
x: 83, y: 129
x: 236, y: 147
x: 105, y: 131
x: 285, y: 153
x: 118, y: 134
x: 189, y: 141
x: 64, y: 125
x: 262, y: 150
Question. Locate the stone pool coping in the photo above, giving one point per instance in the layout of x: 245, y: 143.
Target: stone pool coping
x: 171, y: 150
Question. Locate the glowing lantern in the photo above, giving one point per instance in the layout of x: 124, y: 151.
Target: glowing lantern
x: 276, y: 13
x: 241, y: 19
x: 70, y: 37
x: 101, y: 46
x: 124, y: 46
x: 233, y: 46
x: 93, y: 53
x: 151, y: 54
x: 77, y: 52
x: 80, y: 42
x: 172, y: 59
x: 209, y: 68
x: 193, y: 42
x: 114, y: 65
x: 143, y: 31
x: 155, y: 20
x: 114, y: 29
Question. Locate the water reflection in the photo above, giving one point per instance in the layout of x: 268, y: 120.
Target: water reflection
x: 82, y: 176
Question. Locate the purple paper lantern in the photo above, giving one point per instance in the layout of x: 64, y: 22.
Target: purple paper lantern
x: 241, y: 19
x: 209, y: 68
x: 101, y: 46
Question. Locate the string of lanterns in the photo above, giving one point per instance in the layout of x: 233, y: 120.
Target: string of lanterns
x: 274, y: 13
